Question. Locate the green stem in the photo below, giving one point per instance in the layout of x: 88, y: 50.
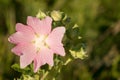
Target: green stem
x: 43, y: 77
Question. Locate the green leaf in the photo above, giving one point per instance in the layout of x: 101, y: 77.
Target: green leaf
x: 16, y: 67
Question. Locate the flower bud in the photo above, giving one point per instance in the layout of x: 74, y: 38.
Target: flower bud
x: 56, y: 15
x: 41, y: 14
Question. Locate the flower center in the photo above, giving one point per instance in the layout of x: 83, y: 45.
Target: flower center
x: 39, y: 41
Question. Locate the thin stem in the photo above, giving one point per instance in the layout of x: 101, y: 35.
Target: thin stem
x: 43, y: 77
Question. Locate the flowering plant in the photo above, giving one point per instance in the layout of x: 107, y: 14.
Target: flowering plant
x: 48, y: 41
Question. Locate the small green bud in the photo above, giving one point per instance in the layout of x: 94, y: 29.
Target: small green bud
x: 75, y: 26
x: 56, y: 15
x: 41, y: 14
x: 80, y: 54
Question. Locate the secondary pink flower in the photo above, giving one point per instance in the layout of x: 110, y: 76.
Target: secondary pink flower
x: 36, y: 42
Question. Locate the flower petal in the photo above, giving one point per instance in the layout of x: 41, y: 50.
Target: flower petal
x: 47, y: 23
x: 18, y: 49
x: 55, y: 37
x: 44, y: 56
x: 36, y: 65
x: 25, y: 29
x: 58, y: 49
x: 28, y: 55
x: 24, y: 34
x: 19, y: 37
x: 54, y: 40
x: 40, y: 26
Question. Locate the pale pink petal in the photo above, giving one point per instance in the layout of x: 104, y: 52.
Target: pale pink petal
x: 40, y: 26
x: 25, y: 29
x: 54, y: 40
x: 18, y: 49
x: 36, y: 65
x: 23, y: 34
x: 58, y: 49
x: 55, y: 37
x: 47, y: 23
x: 37, y: 62
x: 19, y: 37
x: 44, y: 56
x: 28, y: 55
x: 34, y: 23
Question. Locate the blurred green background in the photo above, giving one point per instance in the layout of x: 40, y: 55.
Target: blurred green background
x: 99, y: 21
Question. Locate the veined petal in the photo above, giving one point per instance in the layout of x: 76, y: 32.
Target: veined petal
x: 20, y: 37
x: 44, y: 56
x: 37, y: 62
x: 55, y: 37
x: 58, y: 49
x: 40, y: 26
x: 54, y: 40
x: 47, y: 23
x: 24, y: 29
x: 36, y: 65
x: 18, y: 49
x: 28, y: 55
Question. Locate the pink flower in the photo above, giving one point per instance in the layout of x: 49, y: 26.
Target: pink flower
x: 36, y: 42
